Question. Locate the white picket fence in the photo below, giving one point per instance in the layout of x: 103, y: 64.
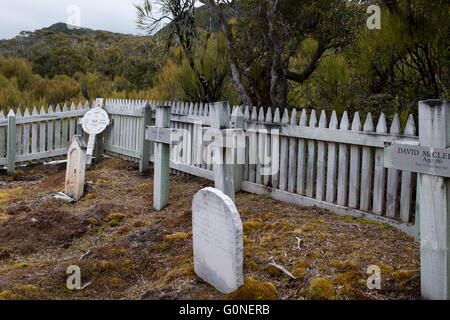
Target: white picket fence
x: 38, y: 136
x: 335, y: 164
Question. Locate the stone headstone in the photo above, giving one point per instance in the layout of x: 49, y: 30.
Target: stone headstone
x: 76, y: 166
x: 217, y: 240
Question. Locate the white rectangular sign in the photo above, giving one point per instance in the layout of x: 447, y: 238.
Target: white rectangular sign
x: 156, y: 134
x: 432, y: 161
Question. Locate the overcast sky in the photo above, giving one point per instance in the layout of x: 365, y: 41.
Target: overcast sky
x: 29, y: 15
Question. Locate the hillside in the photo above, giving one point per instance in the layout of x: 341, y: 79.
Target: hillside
x: 57, y: 50
x: 26, y: 42
x: 57, y: 65
x: 61, y: 27
x: 57, y: 33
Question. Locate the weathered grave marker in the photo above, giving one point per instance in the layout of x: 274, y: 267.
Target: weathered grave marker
x: 160, y: 134
x: 426, y: 160
x: 75, y: 170
x: 227, y: 167
x: 434, y: 198
x: 94, y: 122
x: 431, y: 160
x: 217, y: 240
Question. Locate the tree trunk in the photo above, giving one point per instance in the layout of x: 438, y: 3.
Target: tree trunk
x: 235, y: 70
x: 278, y: 70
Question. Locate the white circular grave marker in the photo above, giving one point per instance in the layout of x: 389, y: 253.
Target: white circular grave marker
x: 95, y: 121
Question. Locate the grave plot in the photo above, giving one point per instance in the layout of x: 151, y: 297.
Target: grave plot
x: 126, y: 249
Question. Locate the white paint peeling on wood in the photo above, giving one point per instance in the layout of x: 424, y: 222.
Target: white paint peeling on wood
x: 311, y: 172
x: 320, y: 183
x: 379, y: 179
x: 301, y: 168
x: 393, y: 177
x: 332, y: 162
x: 292, y: 175
x: 366, y: 169
x: 408, y: 180
x: 342, y: 191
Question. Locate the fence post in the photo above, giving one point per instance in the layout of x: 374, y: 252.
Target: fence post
x: 11, y: 148
x: 434, y: 197
x: 144, y: 150
x: 161, y: 161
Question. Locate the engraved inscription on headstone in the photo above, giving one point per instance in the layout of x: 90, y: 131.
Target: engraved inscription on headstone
x: 76, y: 158
x: 433, y: 161
x: 217, y: 240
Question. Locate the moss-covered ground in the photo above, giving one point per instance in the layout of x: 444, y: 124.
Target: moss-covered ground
x: 126, y: 250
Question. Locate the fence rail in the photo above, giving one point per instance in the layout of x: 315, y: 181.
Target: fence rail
x: 333, y: 163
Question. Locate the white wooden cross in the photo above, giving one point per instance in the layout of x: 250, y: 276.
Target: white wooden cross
x: 94, y: 122
x: 228, y: 171
x: 163, y: 137
x: 431, y: 160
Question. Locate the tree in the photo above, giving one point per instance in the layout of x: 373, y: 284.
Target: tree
x: 112, y: 62
x: 236, y: 71
x: 177, y: 80
x: 181, y: 30
x: 409, y: 57
x: 267, y: 34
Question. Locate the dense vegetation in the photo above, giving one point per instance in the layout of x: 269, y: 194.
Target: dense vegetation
x: 303, y: 54
x: 54, y: 65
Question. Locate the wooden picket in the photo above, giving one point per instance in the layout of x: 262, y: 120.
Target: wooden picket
x: 332, y: 163
x: 311, y: 171
x: 342, y: 189
x: 320, y: 185
x: 366, y: 169
x: 292, y: 179
x: 408, y: 181
x: 301, y: 169
x: 355, y: 167
x: 393, y: 177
